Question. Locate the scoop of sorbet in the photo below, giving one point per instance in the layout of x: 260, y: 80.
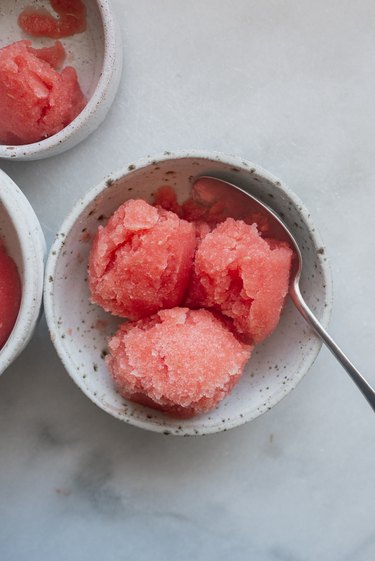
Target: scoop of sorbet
x: 36, y: 101
x: 181, y: 361
x: 10, y: 294
x: 40, y: 23
x: 243, y: 276
x: 141, y: 261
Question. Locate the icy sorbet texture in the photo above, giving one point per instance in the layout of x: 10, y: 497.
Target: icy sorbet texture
x: 39, y: 22
x: 200, y: 288
x: 10, y: 294
x: 141, y: 261
x: 242, y: 275
x: 180, y: 361
x: 36, y: 99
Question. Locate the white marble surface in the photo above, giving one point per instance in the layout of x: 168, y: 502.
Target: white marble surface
x: 289, y: 85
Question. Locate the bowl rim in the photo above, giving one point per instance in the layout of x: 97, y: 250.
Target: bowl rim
x: 33, y: 250
x: 111, y: 56
x: 95, y: 191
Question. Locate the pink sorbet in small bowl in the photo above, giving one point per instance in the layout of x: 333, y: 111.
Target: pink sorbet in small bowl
x: 36, y: 100
x: 10, y: 294
x: 133, y: 370
x: 22, y: 249
x: 52, y: 94
x: 148, y: 260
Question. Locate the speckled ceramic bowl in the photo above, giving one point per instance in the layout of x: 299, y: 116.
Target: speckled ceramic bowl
x: 96, y: 54
x: 80, y: 330
x: 24, y: 240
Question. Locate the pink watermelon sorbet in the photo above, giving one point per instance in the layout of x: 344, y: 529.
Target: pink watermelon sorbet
x: 10, y: 294
x: 202, y: 287
x: 38, y: 22
x: 181, y: 361
x: 36, y: 100
x: 243, y: 276
x: 141, y: 261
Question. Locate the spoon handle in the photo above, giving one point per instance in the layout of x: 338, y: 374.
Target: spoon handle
x: 355, y: 375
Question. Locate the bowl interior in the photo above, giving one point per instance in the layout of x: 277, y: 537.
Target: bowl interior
x: 80, y: 330
x: 94, y: 54
x: 85, y: 51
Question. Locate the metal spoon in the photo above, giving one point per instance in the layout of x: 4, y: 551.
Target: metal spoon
x: 226, y: 191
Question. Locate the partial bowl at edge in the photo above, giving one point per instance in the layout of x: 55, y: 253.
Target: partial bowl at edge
x: 25, y: 243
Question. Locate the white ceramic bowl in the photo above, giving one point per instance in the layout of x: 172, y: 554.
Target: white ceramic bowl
x: 23, y: 236
x: 97, y: 56
x: 80, y: 330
